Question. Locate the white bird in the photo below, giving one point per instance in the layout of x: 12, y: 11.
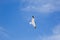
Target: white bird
x: 33, y: 22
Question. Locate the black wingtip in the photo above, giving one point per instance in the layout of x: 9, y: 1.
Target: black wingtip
x: 35, y: 27
x: 33, y: 16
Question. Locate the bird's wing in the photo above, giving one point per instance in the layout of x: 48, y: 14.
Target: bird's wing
x: 33, y: 22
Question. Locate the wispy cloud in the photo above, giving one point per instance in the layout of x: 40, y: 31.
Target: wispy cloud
x: 54, y: 36
x: 43, y: 6
x: 3, y: 34
x: 56, y: 30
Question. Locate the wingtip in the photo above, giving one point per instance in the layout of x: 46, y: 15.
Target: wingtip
x: 35, y: 27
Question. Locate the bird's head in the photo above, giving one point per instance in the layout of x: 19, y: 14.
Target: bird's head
x: 32, y: 16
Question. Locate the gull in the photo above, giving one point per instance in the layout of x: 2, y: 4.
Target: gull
x: 33, y: 23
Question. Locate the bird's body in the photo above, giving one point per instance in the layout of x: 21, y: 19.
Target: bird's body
x: 33, y: 22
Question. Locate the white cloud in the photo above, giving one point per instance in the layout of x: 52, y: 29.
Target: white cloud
x: 54, y: 36
x: 46, y: 8
x: 43, y: 6
x: 3, y: 34
x: 56, y: 30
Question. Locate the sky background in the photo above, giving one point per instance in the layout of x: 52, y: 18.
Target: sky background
x: 15, y: 16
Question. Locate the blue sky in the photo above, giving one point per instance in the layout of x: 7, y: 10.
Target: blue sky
x: 15, y: 16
